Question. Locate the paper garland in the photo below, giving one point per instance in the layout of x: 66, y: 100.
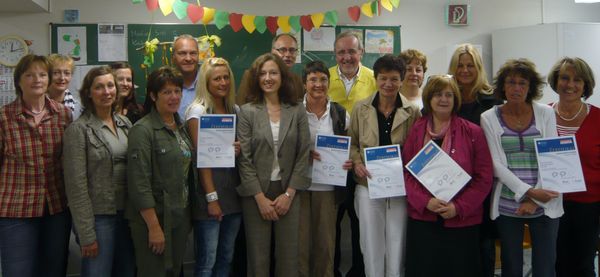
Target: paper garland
x: 196, y: 12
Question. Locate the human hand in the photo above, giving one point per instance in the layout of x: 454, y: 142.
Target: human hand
x: 435, y: 205
x: 265, y: 206
x: 90, y: 250
x: 361, y: 171
x: 347, y: 165
x: 237, y: 148
x: 527, y: 207
x: 156, y: 240
x: 448, y: 211
x: 214, y: 210
x: 542, y: 195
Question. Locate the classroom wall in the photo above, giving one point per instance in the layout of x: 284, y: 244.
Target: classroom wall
x: 422, y: 21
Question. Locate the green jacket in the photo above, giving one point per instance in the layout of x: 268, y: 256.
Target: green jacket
x: 88, y: 171
x: 155, y: 175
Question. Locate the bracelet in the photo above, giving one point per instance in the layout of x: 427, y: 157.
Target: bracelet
x: 288, y: 195
x: 211, y: 197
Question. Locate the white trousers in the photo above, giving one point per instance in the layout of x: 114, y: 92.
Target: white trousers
x: 382, y: 233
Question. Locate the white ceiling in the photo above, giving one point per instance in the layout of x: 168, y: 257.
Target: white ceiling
x: 25, y: 6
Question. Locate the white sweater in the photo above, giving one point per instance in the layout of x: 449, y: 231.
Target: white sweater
x: 545, y: 122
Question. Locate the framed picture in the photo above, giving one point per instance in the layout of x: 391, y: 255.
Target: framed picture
x: 458, y: 15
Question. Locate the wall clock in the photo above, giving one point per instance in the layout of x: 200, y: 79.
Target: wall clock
x: 12, y: 49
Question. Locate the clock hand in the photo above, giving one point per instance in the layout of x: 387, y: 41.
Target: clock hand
x: 11, y: 47
x: 15, y: 50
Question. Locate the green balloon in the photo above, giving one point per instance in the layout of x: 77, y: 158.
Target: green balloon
x: 295, y: 23
x: 180, y: 9
x: 221, y: 19
x: 260, y: 23
x: 332, y: 17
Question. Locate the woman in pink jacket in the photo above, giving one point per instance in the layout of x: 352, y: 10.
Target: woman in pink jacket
x: 443, y: 236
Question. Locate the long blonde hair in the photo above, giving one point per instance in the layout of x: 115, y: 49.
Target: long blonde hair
x: 481, y: 83
x: 203, y: 96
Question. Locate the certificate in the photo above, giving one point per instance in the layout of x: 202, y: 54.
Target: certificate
x: 559, y: 165
x: 385, y: 165
x: 437, y: 172
x: 334, y: 151
x: 216, y: 134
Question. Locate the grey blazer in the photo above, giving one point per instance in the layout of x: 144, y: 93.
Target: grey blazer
x: 256, y: 140
x: 88, y: 170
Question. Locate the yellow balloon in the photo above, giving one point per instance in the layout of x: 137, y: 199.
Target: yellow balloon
x: 317, y: 19
x: 209, y: 15
x: 166, y: 6
x: 386, y: 4
x: 284, y: 23
x: 366, y: 9
x: 248, y: 23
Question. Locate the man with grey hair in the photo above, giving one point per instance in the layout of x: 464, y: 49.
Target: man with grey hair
x: 185, y: 59
x: 350, y: 82
x: 285, y: 46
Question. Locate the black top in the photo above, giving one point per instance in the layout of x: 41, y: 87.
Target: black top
x: 472, y: 111
x: 385, y: 124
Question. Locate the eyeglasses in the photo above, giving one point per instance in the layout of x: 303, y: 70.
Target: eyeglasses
x: 283, y: 50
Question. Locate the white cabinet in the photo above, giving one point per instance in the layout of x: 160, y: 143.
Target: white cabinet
x: 546, y: 43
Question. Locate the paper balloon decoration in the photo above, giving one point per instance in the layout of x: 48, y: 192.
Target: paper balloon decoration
x: 195, y: 12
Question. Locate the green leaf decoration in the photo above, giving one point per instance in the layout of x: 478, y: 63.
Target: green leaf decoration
x: 260, y: 23
x: 180, y: 9
x: 295, y: 23
x: 221, y: 19
x: 331, y: 17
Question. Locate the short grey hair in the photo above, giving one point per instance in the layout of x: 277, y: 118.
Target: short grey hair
x: 349, y: 33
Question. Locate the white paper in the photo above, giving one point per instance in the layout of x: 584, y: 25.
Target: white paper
x: 334, y: 151
x: 72, y: 42
x: 7, y: 85
x: 437, y: 172
x: 559, y: 165
x: 112, y: 43
x: 216, y: 135
x: 319, y: 39
x: 379, y: 41
x: 385, y: 165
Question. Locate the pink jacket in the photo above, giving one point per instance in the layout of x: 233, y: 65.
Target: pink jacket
x: 470, y: 150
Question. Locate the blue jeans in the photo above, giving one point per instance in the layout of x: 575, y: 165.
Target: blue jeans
x: 544, y: 231
x: 36, y: 246
x: 115, y: 249
x: 215, y: 242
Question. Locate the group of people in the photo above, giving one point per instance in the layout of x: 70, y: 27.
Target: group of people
x: 123, y: 176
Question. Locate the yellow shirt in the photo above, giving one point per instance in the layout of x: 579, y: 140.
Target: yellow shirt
x: 363, y: 87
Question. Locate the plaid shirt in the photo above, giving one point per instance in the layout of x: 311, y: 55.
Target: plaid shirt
x: 30, y: 160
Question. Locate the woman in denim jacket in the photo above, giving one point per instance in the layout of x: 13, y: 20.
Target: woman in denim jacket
x: 95, y: 165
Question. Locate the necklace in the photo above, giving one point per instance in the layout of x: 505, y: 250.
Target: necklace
x: 568, y: 119
x: 315, y: 112
x: 38, y: 112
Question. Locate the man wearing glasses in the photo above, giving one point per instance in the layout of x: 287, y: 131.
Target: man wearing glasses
x: 185, y: 59
x: 285, y: 46
x: 350, y: 82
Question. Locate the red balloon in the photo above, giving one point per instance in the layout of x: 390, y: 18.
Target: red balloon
x: 195, y: 12
x: 272, y: 24
x: 306, y: 22
x: 354, y: 13
x: 235, y: 21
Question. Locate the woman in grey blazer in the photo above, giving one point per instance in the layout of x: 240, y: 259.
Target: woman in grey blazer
x: 95, y: 170
x: 274, y: 137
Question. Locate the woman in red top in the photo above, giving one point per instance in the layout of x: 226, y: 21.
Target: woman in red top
x: 446, y: 233
x: 573, y: 80
x: 34, y: 221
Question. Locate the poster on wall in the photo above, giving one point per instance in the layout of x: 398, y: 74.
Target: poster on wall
x: 319, y: 39
x: 7, y: 88
x: 112, y: 43
x: 379, y: 41
x: 72, y: 42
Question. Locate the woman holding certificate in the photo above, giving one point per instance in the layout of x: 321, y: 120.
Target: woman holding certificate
x: 318, y: 203
x: 160, y: 176
x: 434, y: 225
x: 216, y: 212
x: 381, y: 119
x: 573, y: 80
x: 274, y: 138
x: 517, y: 198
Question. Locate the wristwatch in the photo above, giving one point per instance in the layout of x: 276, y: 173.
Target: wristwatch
x: 211, y: 197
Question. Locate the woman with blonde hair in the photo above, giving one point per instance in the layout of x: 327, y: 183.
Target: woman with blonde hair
x: 477, y: 97
x: 58, y: 90
x: 217, y: 212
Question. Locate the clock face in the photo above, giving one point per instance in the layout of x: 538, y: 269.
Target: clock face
x: 12, y: 49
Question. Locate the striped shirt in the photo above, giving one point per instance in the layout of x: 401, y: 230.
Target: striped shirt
x: 520, y: 155
x: 31, y: 175
x: 70, y: 102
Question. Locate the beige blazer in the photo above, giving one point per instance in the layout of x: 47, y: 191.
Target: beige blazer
x: 256, y: 140
x: 364, y: 129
